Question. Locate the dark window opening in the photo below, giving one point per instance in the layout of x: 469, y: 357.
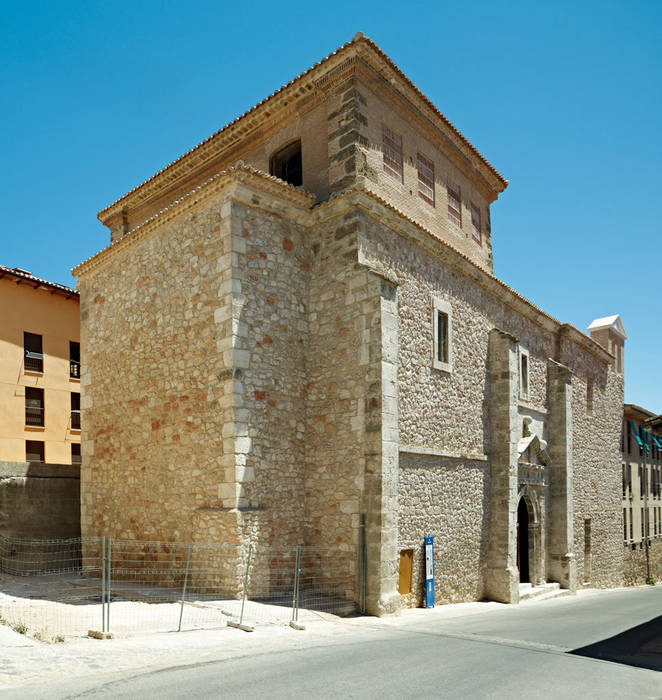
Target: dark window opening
x: 34, y: 406
x: 75, y: 453
x: 34, y: 451
x: 34, y: 356
x: 75, y: 411
x: 74, y: 359
x: 286, y: 164
x: 442, y: 337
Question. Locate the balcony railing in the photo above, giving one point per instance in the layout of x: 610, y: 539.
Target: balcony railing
x: 34, y: 415
x: 34, y: 361
x: 74, y: 369
x: 75, y: 420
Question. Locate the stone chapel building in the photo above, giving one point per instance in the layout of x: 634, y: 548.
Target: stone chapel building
x: 296, y: 325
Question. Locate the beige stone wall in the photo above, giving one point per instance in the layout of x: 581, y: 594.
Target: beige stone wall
x: 277, y: 357
x: 270, y: 278
x: 447, y: 414
x: 597, y: 469
x: 634, y: 556
x: 152, y: 380
x: 449, y: 499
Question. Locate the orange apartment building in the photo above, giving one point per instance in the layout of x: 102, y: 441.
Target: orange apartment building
x: 39, y: 370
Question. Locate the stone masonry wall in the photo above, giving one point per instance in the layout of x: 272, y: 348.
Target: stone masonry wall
x: 271, y: 264
x: 446, y: 413
x: 634, y: 557
x: 348, y: 415
x: 152, y: 382
x: 39, y: 501
x: 449, y: 499
x: 597, y: 470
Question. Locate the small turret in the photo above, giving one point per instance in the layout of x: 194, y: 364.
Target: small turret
x: 609, y: 333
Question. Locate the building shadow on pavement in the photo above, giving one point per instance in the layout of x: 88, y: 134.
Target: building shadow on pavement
x: 639, y: 646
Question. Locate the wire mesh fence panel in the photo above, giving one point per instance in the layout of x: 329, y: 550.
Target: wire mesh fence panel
x: 328, y: 580
x: 269, y: 578
x: 61, y: 588
x: 50, y: 588
x: 165, y: 586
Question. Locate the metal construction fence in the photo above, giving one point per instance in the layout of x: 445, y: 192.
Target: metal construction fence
x: 54, y: 589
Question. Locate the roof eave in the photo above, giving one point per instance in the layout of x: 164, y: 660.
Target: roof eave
x: 303, y: 83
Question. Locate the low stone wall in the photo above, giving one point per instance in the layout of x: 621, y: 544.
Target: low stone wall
x: 39, y: 501
x: 635, y: 562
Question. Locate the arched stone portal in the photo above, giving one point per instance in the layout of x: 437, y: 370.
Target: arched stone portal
x: 523, y: 542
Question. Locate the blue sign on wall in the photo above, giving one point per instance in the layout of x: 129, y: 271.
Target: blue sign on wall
x: 429, y: 572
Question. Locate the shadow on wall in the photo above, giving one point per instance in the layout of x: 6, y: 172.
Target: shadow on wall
x: 640, y: 646
x: 39, y: 500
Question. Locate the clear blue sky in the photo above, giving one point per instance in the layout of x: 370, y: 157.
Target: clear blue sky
x: 563, y: 98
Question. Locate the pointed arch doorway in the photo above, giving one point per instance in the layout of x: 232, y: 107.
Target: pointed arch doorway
x: 523, y: 542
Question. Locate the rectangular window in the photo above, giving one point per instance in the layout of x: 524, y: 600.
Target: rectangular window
x: 454, y: 203
x: 442, y: 357
x: 34, y: 406
x: 589, y: 396
x: 642, y: 523
x: 442, y: 336
x: 625, y: 483
x: 34, y: 451
x: 524, y: 373
x: 631, y: 525
x: 74, y: 360
x: 75, y: 453
x: 475, y: 224
x: 34, y: 356
x: 426, y: 179
x: 392, y: 152
x: 75, y: 411
x: 625, y: 523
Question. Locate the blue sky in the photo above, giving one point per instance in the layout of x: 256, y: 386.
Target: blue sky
x: 563, y: 98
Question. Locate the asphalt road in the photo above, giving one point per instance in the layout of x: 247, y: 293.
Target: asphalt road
x: 601, y: 646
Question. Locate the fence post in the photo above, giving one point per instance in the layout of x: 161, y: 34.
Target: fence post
x: 188, y: 564
x: 103, y: 584
x: 243, y: 600
x: 109, y: 568
x: 295, y: 593
x: 294, y: 622
x: 363, y: 563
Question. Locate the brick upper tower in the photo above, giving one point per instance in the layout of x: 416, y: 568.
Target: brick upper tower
x: 353, y: 120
